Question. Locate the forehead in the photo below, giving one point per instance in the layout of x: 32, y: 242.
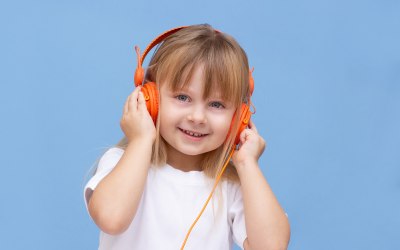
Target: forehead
x: 217, y: 76
x: 196, y: 81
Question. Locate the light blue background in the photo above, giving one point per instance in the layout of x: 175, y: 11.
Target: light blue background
x: 327, y: 77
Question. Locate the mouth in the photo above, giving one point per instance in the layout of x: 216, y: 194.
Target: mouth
x: 192, y: 133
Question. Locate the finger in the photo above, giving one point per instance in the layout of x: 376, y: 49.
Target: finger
x: 132, y: 103
x: 244, y: 135
x: 141, y: 102
x: 252, y: 126
x: 126, y: 104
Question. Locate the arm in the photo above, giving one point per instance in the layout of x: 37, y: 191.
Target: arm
x: 267, y: 225
x: 115, y: 200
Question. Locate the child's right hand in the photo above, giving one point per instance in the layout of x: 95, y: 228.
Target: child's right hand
x: 136, y: 121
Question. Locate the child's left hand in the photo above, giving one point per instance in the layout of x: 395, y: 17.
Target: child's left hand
x: 252, y: 145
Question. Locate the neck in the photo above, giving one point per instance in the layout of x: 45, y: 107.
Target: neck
x: 184, y: 162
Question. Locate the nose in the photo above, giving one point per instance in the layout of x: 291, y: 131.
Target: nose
x: 197, y: 115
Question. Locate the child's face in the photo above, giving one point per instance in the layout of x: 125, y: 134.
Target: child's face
x: 190, y: 124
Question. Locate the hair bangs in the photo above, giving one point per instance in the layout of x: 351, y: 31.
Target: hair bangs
x: 222, y: 78
x: 177, y: 71
x: 225, y: 73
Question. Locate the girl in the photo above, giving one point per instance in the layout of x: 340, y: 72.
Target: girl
x: 149, y: 188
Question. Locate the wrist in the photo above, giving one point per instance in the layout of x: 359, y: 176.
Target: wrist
x: 141, y: 141
x: 245, y: 164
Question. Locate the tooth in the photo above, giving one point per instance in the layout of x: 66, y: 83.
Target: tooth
x: 192, y: 133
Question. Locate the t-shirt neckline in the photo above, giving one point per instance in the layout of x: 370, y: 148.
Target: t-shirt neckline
x: 179, y: 176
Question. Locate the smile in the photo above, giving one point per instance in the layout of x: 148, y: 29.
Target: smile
x: 191, y: 133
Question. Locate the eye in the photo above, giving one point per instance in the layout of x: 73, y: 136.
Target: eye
x: 182, y: 98
x: 217, y: 105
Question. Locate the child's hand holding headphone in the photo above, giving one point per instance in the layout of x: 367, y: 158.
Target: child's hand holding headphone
x: 252, y: 145
x: 136, y: 121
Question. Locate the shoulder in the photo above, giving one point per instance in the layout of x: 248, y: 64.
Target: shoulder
x: 234, y: 192
x: 114, y: 151
x: 235, y: 211
x: 109, y: 159
x: 105, y: 164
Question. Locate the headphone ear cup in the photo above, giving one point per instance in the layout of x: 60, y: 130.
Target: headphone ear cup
x: 150, y: 94
x: 244, y: 119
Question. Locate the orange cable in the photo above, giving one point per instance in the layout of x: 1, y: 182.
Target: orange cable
x: 208, y: 199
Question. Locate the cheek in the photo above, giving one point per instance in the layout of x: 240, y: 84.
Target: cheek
x: 224, y: 124
x: 164, y: 109
x: 164, y: 121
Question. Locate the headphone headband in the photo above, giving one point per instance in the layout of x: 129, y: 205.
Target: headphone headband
x: 139, y: 73
x: 161, y: 38
x: 158, y: 40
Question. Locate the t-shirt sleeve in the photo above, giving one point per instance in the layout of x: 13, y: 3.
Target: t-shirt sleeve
x: 106, y: 163
x: 236, y: 214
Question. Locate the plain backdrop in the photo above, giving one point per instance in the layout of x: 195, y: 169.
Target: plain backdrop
x: 327, y: 77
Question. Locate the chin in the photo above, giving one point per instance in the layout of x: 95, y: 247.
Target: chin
x: 193, y: 151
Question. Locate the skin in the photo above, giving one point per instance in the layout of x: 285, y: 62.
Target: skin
x: 186, y: 110
x: 115, y: 200
x: 267, y: 225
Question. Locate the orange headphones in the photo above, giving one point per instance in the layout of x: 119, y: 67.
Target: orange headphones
x: 150, y: 92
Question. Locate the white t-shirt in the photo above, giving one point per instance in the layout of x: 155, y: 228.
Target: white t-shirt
x: 170, y: 203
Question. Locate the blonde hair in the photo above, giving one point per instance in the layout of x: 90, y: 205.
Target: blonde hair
x: 225, y: 68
